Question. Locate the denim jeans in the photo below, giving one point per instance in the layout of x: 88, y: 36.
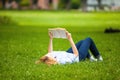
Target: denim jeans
x: 83, y: 48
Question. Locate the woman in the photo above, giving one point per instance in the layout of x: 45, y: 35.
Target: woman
x: 78, y: 52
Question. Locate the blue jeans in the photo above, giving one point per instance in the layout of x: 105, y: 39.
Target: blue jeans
x: 83, y: 47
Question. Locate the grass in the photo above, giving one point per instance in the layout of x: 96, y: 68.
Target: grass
x: 23, y: 43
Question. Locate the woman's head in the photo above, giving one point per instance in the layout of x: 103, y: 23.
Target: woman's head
x: 47, y: 60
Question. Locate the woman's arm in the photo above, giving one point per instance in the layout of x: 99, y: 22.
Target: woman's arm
x: 75, y: 51
x: 50, y: 46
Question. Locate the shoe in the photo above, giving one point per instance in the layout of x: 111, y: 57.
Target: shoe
x: 99, y: 58
x: 92, y: 59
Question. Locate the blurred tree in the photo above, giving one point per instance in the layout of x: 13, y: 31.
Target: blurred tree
x: 55, y: 4
x: 3, y: 3
x: 69, y: 4
x: 0, y: 4
x: 65, y: 4
x: 84, y: 5
x: 33, y: 4
x: 43, y: 4
x: 75, y: 4
x: 24, y: 3
x: 10, y: 4
x: 100, y: 4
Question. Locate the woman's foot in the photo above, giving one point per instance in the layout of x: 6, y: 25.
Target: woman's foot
x: 92, y: 59
x: 99, y: 58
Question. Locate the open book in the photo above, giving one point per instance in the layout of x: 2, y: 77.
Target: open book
x: 58, y: 32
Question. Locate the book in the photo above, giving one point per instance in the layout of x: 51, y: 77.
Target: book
x: 58, y: 32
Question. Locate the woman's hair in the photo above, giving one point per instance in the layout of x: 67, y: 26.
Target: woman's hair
x: 47, y: 60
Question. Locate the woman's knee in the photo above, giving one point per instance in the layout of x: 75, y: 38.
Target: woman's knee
x: 89, y: 38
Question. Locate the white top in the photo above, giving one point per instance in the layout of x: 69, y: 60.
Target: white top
x: 63, y: 57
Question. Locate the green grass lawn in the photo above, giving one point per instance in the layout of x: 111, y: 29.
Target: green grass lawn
x: 21, y: 44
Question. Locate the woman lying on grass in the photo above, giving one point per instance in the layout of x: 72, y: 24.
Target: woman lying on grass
x: 78, y: 52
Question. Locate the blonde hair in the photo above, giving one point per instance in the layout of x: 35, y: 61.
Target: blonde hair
x: 47, y: 60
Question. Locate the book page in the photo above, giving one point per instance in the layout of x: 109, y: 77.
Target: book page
x: 58, y: 32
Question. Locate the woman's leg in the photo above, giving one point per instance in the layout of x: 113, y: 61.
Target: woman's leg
x: 85, y: 46
x: 88, y: 55
x: 78, y: 46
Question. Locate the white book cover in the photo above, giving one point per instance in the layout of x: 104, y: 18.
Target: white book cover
x: 58, y: 32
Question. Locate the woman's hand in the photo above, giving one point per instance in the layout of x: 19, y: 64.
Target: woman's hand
x: 50, y: 35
